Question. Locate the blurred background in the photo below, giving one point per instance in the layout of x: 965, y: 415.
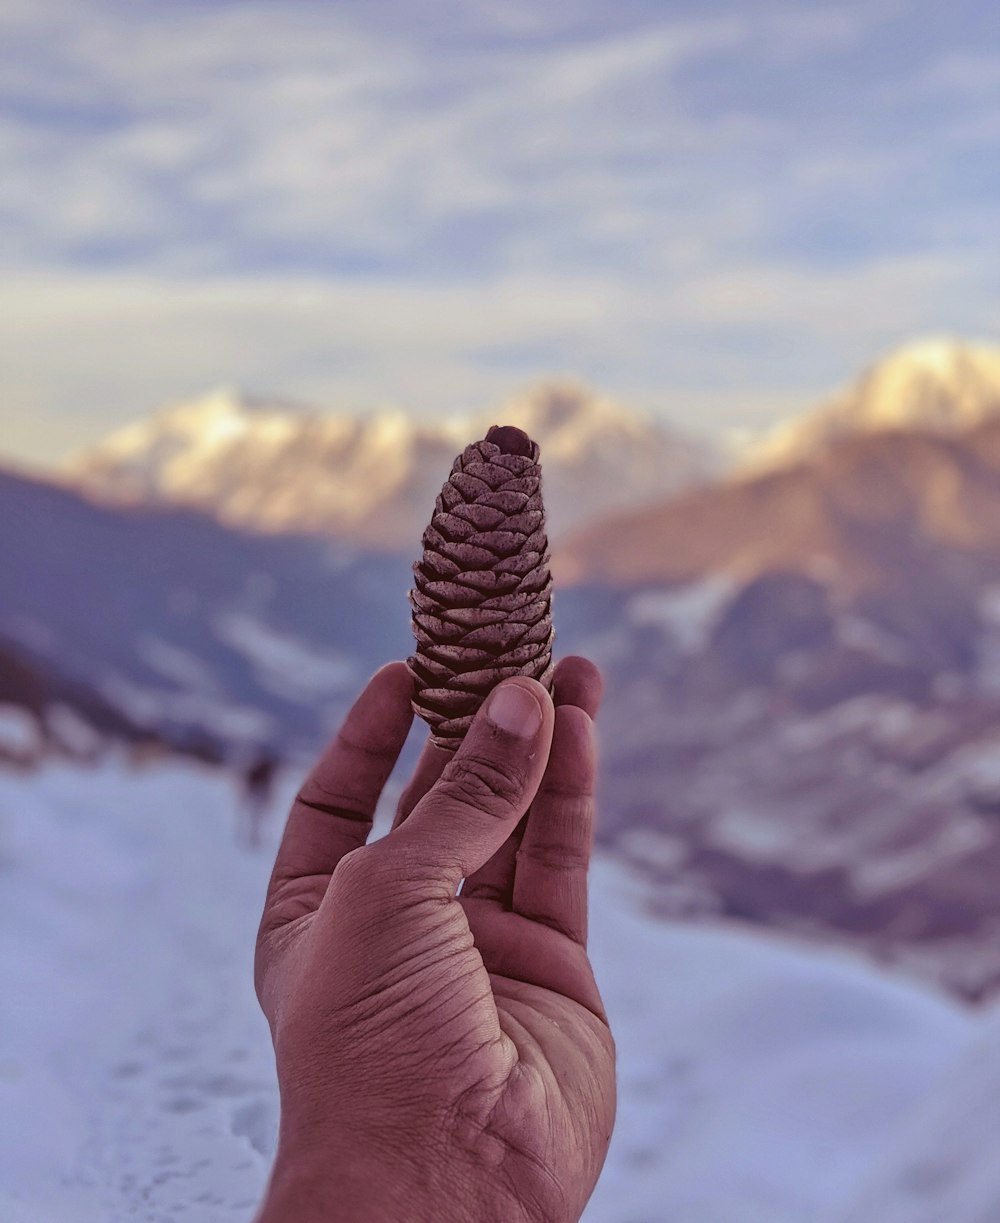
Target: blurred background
x: 266, y: 269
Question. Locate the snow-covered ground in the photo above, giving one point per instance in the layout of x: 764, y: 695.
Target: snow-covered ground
x: 760, y: 1081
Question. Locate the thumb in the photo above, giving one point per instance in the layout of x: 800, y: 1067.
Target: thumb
x: 486, y: 787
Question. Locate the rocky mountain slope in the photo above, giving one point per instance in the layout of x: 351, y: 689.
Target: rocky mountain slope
x: 208, y: 638
x: 804, y: 727
x: 272, y: 467
x: 44, y: 712
x: 867, y: 511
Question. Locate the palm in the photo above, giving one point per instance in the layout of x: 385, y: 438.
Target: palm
x: 541, y: 960
x: 540, y: 1104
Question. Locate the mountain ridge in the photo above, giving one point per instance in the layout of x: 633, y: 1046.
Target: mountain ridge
x: 857, y: 512
x: 935, y: 384
x: 373, y: 477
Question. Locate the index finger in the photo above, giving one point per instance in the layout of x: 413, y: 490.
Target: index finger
x: 333, y: 812
x: 550, y: 876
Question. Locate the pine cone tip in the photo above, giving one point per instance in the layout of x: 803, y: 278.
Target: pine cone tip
x: 512, y: 440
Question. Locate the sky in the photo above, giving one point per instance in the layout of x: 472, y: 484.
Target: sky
x: 718, y: 211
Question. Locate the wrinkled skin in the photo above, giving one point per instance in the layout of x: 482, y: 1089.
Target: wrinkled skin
x: 441, y: 1058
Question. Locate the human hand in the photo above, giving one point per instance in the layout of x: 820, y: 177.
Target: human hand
x: 441, y: 1058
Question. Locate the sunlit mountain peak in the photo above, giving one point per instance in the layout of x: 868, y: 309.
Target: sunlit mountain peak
x: 275, y: 466
x: 937, y: 383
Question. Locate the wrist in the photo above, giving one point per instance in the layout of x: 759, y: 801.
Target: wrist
x: 331, y: 1187
x: 332, y: 1195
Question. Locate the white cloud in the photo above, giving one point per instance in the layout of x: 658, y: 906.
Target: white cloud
x: 216, y: 137
x: 800, y: 32
x: 967, y: 72
x: 219, y: 134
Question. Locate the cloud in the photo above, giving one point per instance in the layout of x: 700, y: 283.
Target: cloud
x: 716, y: 204
x: 224, y: 138
x: 327, y: 139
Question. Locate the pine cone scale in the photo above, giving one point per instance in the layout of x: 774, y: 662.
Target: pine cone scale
x: 456, y: 526
x: 465, y: 555
x: 470, y: 488
x: 500, y: 543
x: 518, y: 602
x: 482, y: 517
x: 474, y: 617
x: 507, y: 502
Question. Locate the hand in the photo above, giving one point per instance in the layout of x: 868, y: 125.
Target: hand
x: 441, y: 1058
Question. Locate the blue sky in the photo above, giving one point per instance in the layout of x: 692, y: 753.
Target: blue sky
x: 719, y: 211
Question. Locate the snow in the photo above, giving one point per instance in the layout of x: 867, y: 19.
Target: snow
x: 760, y: 1081
x: 989, y: 606
x: 135, y: 1061
x: 180, y: 666
x: 938, y: 384
x: 272, y: 466
x: 71, y: 733
x: 211, y: 711
x: 19, y: 732
x: 282, y: 663
x: 944, y: 1166
x: 757, y: 1079
x: 689, y: 613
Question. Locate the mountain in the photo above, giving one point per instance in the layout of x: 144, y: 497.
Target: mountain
x: 158, y: 624
x: 936, y: 385
x: 272, y: 467
x: 803, y: 714
x: 163, y: 623
x: 865, y: 511
x: 43, y: 711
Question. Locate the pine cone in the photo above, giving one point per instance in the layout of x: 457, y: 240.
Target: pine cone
x: 482, y: 603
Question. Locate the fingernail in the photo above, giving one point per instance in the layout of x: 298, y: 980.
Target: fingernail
x: 512, y: 708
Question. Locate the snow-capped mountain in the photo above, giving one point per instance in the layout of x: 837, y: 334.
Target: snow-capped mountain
x: 780, y: 747
x: 373, y: 478
x: 936, y: 385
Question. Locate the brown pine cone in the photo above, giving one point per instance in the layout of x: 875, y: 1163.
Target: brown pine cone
x: 482, y: 603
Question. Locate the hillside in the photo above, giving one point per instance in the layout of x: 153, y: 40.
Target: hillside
x: 182, y: 628
x: 759, y: 1081
x: 802, y: 722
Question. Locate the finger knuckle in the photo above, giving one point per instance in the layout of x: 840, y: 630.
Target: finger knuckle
x: 560, y: 926
x: 574, y: 800
x: 484, y: 782
x: 354, y: 869
x: 557, y: 856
